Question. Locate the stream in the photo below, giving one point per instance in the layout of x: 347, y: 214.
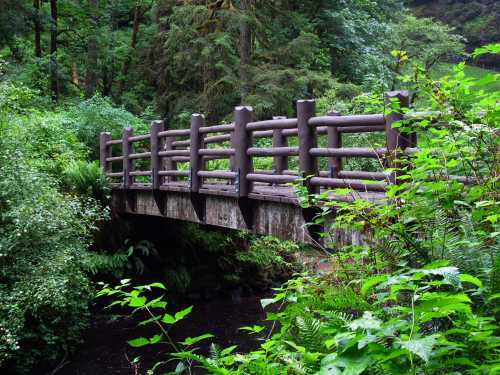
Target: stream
x: 105, y: 350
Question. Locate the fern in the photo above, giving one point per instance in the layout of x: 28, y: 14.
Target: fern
x: 115, y: 264
x: 309, y: 333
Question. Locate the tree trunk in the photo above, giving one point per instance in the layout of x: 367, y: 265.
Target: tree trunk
x: 54, y: 81
x: 245, y: 49
x: 91, y: 74
x: 75, y: 79
x: 38, y: 28
x: 133, y: 42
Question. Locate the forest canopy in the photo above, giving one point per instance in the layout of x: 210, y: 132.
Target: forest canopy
x: 171, y: 58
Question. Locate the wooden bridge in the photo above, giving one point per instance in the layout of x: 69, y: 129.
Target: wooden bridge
x: 180, y: 173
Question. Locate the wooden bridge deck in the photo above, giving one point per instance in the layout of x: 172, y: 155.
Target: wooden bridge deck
x: 147, y: 177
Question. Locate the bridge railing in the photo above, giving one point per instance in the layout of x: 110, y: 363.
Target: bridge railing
x: 179, y: 160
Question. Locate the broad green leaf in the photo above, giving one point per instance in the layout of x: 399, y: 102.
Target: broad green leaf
x: 421, y: 347
x: 228, y: 350
x: 155, y: 339
x: 372, y: 282
x: 465, y: 278
x: 353, y: 364
x: 168, y: 319
x: 137, y: 301
x: 266, y: 302
x: 193, y: 340
x: 183, y: 313
x: 138, y: 342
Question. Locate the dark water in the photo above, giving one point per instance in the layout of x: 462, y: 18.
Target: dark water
x: 105, y: 350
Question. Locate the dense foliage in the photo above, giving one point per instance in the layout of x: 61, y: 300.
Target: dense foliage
x: 72, y: 69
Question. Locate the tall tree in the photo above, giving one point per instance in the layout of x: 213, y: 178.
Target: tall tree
x: 54, y: 80
x: 138, y: 14
x: 38, y: 28
x: 245, y: 49
x: 91, y: 74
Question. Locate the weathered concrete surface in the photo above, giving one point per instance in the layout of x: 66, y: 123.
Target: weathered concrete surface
x: 284, y: 220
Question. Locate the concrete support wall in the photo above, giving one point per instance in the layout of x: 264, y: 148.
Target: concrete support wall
x: 282, y: 220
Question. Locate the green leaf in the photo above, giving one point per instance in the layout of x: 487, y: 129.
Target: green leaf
x: 254, y: 329
x: 179, y: 369
x: 228, y: 350
x: 353, y: 364
x: 137, y: 301
x: 420, y: 347
x: 372, y: 282
x: 168, y: 319
x: 138, y: 342
x: 465, y: 278
x: 193, y: 340
x: 155, y: 339
x: 266, y: 302
x: 183, y: 313
x: 157, y: 285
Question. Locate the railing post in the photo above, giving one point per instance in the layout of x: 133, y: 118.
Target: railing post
x: 156, y: 127
x: 334, y: 141
x: 241, y: 142
x: 127, y: 163
x: 308, y: 165
x: 169, y: 164
x: 279, y: 140
x: 395, y: 141
x: 195, y: 161
x: 105, y: 151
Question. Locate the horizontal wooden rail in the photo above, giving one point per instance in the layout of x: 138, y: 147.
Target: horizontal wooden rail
x: 181, y: 143
x: 272, y: 179
x: 114, y: 142
x: 217, y: 138
x: 353, y: 129
x: 174, y: 133
x: 138, y: 138
x: 357, y: 120
x: 171, y: 153
x: 356, y: 152
x: 364, y: 175
x: 140, y: 173
x: 272, y: 124
x: 217, y: 174
x: 114, y: 158
x: 217, y: 129
x: 348, y: 183
x: 174, y: 173
x: 180, y: 159
x: 216, y: 151
x: 273, y: 151
x: 141, y: 155
x: 114, y: 174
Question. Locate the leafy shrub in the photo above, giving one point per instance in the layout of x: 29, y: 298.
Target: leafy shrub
x: 44, y: 237
x: 19, y: 99
x: 44, y: 138
x: 86, y: 179
x: 93, y: 116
